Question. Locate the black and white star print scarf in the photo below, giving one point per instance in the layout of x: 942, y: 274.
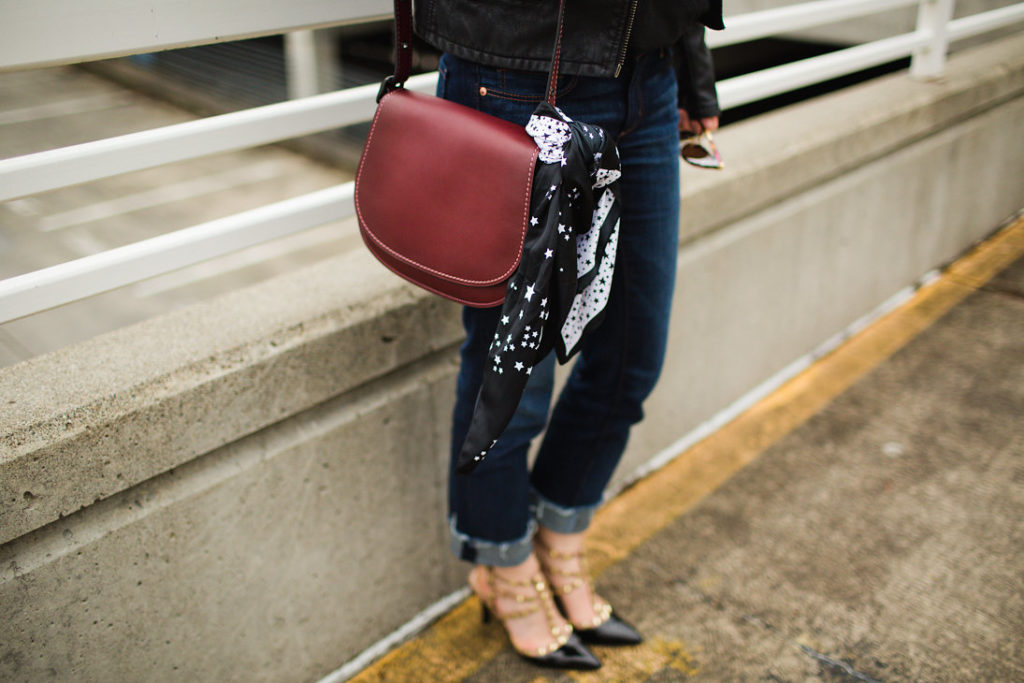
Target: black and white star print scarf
x: 559, y: 291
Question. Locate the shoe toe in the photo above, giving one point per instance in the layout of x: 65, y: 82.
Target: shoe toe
x: 573, y: 655
x: 614, y: 631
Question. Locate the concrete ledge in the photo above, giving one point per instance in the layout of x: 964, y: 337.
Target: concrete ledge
x: 770, y: 288
x: 786, y: 151
x: 273, y: 558
x: 254, y: 488
x: 85, y: 422
x: 91, y: 420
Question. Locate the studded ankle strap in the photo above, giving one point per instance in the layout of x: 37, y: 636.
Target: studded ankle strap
x: 534, y: 595
x: 573, y: 579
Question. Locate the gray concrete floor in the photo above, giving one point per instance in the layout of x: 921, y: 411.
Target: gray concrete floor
x: 881, y: 540
x: 50, y: 108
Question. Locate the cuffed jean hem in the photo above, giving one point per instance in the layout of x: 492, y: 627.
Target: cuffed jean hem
x: 490, y: 553
x: 560, y: 519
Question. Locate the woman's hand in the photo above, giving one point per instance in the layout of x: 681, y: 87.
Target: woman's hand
x: 696, y: 126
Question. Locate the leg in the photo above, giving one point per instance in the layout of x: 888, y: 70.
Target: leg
x: 490, y: 509
x: 490, y: 519
x: 620, y: 363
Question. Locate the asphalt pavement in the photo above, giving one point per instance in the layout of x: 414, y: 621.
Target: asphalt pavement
x: 863, y: 523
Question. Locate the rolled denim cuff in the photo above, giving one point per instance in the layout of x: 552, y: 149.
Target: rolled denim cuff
x: 491, y: 553
x: 560, y: 519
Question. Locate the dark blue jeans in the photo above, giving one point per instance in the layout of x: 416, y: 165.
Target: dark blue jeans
x: 494, y: 511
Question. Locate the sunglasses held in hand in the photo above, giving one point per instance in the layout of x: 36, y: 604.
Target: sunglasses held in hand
x: 700, y: 151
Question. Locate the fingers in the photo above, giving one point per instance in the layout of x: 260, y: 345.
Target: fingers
x: 696, y: 126
x: 684, y: 121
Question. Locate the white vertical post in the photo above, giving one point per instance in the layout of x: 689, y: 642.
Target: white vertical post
x: 328, y: 56
x: 933, y: 17
x: 311, y: 62
x: 300, y: 64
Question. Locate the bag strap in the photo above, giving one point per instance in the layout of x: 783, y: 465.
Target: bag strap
x: 556, y: 55
x: 403, y: 41
x: 403, y: 51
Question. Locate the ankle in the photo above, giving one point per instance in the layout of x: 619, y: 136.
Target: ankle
x: 558, y: 544
x: 520, y: 572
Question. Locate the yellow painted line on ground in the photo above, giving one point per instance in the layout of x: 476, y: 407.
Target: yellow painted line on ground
x: 456, y: 645
x: 631, y: 518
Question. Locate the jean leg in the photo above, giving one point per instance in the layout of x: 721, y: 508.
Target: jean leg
x: 620, y: 362
x: 490, y: 509
x: 490, y: 512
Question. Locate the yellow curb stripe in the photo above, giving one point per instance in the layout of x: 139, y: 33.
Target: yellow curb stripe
x: 652, y: 503
x: 456, y: 645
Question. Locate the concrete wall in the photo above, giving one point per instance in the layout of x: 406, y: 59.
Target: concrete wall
x: 253, y: 488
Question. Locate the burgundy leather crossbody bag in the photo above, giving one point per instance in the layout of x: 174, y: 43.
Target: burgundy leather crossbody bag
x: 442, y: 192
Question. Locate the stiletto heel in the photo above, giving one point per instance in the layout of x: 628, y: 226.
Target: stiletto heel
x: 565, y: 651
x: 606, y: 628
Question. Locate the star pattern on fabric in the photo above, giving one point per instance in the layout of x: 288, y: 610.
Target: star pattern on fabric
x: 551, y: 136
x: 559, y: 291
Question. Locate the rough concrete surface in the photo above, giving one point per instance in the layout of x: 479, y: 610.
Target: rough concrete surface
x: 99, y: 417
x: 769, y: 288
x: 267, y: 560
x: 880, y: 541
x: 864, y: 122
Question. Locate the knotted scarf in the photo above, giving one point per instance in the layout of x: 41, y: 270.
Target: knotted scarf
x: 558, y: 293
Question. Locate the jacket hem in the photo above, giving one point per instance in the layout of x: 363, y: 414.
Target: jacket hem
x: 565, y: 67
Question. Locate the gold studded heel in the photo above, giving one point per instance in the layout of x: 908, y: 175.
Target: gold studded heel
x: 564, y: 651
x: 605, y: 628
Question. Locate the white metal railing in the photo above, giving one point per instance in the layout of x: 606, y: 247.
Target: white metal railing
x: 39, y: 33
x: 187, y: 24
x: 44, y: 171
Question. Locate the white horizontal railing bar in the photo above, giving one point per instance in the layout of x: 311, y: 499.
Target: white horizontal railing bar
x: 965, y: 27
x: 35, y: 33
x: 788, y: 19
x: 43, y: 289
x: 50, y: 287
x: 43, y: 171
x: 758, y: 85
x: 53, y: 169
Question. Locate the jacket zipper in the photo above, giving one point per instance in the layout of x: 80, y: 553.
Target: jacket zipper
x: 625, y: 40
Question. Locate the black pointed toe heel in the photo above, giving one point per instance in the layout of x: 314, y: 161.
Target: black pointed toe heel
x: 565, y: 651
x: 573, y: 655
x: 606, y: 628
x: 614, y: 631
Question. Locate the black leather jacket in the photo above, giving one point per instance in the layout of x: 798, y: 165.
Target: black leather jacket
x: 599, y: 36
